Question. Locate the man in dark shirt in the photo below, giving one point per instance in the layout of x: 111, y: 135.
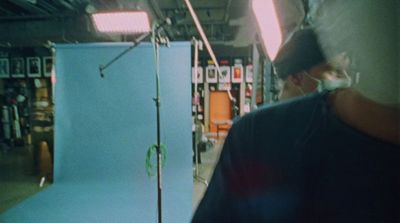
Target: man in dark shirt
x: 326, y: 157
x: 304, y: 166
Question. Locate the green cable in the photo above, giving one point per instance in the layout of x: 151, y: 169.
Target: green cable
x: 153, y: 150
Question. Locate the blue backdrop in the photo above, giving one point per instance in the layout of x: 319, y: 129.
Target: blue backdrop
x: 103, y: 128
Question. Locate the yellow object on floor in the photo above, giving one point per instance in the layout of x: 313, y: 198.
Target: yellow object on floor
x: 45, y: 164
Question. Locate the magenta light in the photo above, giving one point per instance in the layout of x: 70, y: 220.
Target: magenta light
x: 122, y: 22
x: 267, y: 20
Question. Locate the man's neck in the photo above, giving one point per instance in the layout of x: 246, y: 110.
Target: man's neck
x: 290, y: 91
x: 377, y: 120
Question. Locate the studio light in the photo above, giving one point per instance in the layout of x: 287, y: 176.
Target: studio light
x: 122, y: 22
x: 268, y: 26
x: 138, y: 22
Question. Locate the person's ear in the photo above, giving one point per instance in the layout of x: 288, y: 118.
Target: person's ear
x: 296, y: 79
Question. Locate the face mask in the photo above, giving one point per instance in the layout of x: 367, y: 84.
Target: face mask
x: 331, y: 85
x: 335, y: 84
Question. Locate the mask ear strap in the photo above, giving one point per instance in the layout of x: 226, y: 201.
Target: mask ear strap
x: 299, y: 88
x: 349, y: 80
x: 346, y: 75
x: 320, y: 85
x: 311, y: 77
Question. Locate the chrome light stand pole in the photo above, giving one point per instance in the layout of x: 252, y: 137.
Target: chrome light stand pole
x: 196, y: 176
x: 157, y: 41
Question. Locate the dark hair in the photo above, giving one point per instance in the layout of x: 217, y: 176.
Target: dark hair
x: 301, y: 52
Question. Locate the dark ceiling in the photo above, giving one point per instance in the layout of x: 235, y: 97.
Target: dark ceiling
x: 34, y: 22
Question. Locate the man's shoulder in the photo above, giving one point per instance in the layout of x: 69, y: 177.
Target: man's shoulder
x: 282, y: 120
x: 293, y: 108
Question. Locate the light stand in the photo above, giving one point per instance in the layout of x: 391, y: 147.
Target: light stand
x: 196, y: 176
x: 135, y: 44
x: 155, y: 28
x: 157, y: 40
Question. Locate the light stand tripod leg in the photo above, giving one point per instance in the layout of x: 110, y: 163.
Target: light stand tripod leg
x: 196, y: 173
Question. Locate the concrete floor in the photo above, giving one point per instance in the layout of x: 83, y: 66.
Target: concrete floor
x: 16, y: 179
x: 17, y: 182
x: 209, y: 160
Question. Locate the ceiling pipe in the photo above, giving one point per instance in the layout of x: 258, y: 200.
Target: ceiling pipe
x: 66, y: 4
x: 228, y: 6
x: 6, y: 11
x: 29, y: 6
x: 32, y: 17
x: 199, y: 8
x: 48, y: 6
x: 207, y: 43
x: 161, y: 17
x: 156, y: 9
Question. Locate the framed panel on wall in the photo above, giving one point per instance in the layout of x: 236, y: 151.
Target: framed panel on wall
x: 33, y: 67
x: 4, y: 68
x: 211, y: 74
x: 47, y: 66
x: 199, y: 75
x: 237, y: 73
x: 249, y: 73
x: 17, y: 67
x: 225, y: 75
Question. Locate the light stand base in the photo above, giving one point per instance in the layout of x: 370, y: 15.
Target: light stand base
x: 201, y: 180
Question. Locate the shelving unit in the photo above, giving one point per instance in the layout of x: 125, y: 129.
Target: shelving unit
x: 22, y: 70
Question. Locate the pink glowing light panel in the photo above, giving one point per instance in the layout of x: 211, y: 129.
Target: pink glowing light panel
x: 268, y: 23
x: 122, y: 22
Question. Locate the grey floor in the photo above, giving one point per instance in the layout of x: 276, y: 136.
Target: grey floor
x: 205, y: 170
x: 16, y: 179
x: 17, y: 182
